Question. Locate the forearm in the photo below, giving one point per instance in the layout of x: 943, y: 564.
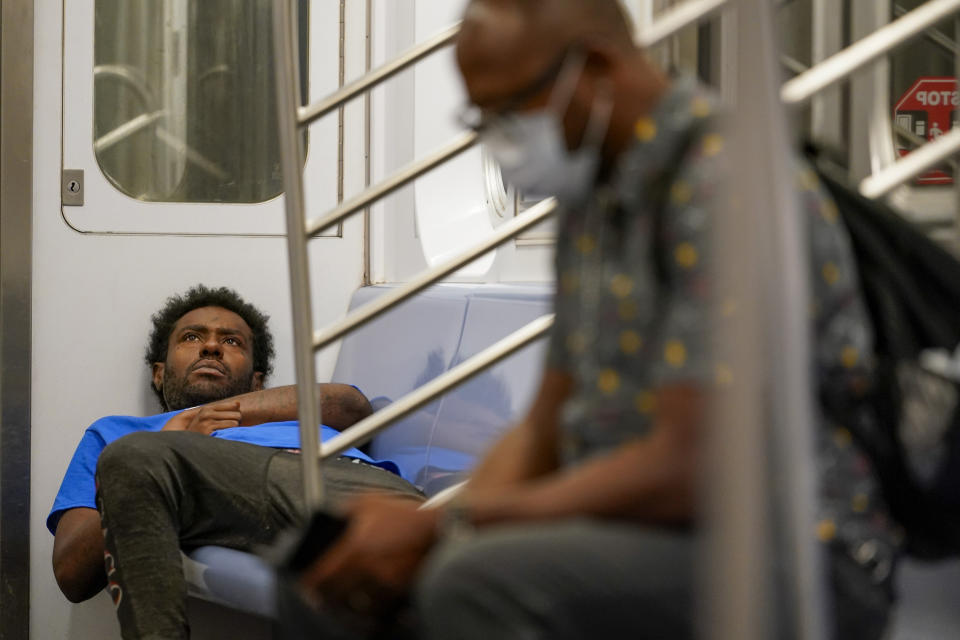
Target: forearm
x: 528, y: 450
x: 652, y: 479
x: 78, y: 555
x: 635, y: 483
x: 519, y: 456
x: 342, y: 405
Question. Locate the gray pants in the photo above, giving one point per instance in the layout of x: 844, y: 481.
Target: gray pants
x: 576, y: 579
x: 160, y: 492
x: 596, y: 579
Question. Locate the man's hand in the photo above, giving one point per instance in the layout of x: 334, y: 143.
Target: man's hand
x: 206, y: 419
x: 371, y: 566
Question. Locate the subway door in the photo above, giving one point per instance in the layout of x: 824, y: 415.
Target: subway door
x: 159, y: 116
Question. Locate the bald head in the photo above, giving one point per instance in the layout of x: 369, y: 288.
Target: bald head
x: 518, y: 39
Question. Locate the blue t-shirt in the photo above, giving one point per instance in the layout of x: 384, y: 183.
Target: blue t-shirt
x: 78, y: 488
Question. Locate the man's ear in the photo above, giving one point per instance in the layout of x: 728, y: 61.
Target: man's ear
x: 257, y: 383
x: 158, y: 368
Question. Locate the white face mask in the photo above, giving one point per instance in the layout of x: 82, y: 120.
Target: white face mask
x: 532, y: 152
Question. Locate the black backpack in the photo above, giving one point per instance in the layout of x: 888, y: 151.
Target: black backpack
x: 911, y: 286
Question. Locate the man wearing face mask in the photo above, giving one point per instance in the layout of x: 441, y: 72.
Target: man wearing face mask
x: 578, y: 523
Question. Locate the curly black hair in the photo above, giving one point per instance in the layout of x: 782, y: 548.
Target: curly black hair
x: 202, y: 296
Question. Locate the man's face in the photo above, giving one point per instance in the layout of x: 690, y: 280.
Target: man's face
x: 209, y: 358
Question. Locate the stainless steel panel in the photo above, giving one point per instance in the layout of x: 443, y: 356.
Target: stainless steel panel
x: 16, y: 206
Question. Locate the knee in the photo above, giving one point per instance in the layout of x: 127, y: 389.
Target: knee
x: 450, y: 591
x: 132, y: 456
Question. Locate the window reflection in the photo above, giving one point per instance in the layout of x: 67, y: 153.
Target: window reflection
x: 184, y: 105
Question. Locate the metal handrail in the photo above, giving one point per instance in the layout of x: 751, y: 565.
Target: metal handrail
x: 866, y: 50
x: 312, y: 112
x: 936, y: 36
x: 291, y: 117
x: 669, y: 22
x: 374, y: 423
x: 128, y: 75
x: 126, y: 129
x: 529, y: 218
x: 190, y: 154
x: 910, y: 166
x: 400, y: 177
x: 918, y: 141
x: 793, y: 65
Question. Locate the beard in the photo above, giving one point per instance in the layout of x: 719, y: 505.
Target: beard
x: 179, y: 393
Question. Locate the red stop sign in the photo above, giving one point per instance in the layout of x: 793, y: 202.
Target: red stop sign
x: 928, y: 109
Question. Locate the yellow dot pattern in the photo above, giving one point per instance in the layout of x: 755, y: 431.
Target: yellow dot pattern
x: 645, y: 402
x: 686, y: 255
x: 675, y: 353
x: 569, y: 282
x: 712, y: 145
x: 608, y: 382
x: 860, y: 502
x: 576, y: 343
x: 700, y: 107
x: 586, y: 244
x: 849, y: 357
x: 723, y: 375
x: 826, y: 530
x: 621, y: 285
x: 829, y: 211
x: 680, y: 192
x: 645, y: 129
x: 842, y: 437
x: 830, y: 273
x: 808, y: 180
x: 628, y: 310
x: 630, y: 342
x: 729, y: 308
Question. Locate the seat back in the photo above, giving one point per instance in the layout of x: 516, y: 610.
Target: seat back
x: 425, y: 337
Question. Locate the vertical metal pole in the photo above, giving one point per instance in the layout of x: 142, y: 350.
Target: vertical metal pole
x: 16, y: 243
x: 871, y: 147
x: 826, y: 120
x: 367, y: 144
x: 955, y: 241
x: 288, y: 99
x: 341, y: 110
x: 761, y: 445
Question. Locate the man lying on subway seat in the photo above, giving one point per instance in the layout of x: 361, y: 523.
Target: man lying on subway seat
x: 580, y: 521
x: 218, y: 467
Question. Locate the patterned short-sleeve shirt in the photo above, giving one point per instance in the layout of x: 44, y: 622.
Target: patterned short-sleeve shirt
x: 633, y: 314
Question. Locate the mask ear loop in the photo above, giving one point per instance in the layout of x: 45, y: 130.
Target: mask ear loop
x: 563, y: 90
x: 600, y: 114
